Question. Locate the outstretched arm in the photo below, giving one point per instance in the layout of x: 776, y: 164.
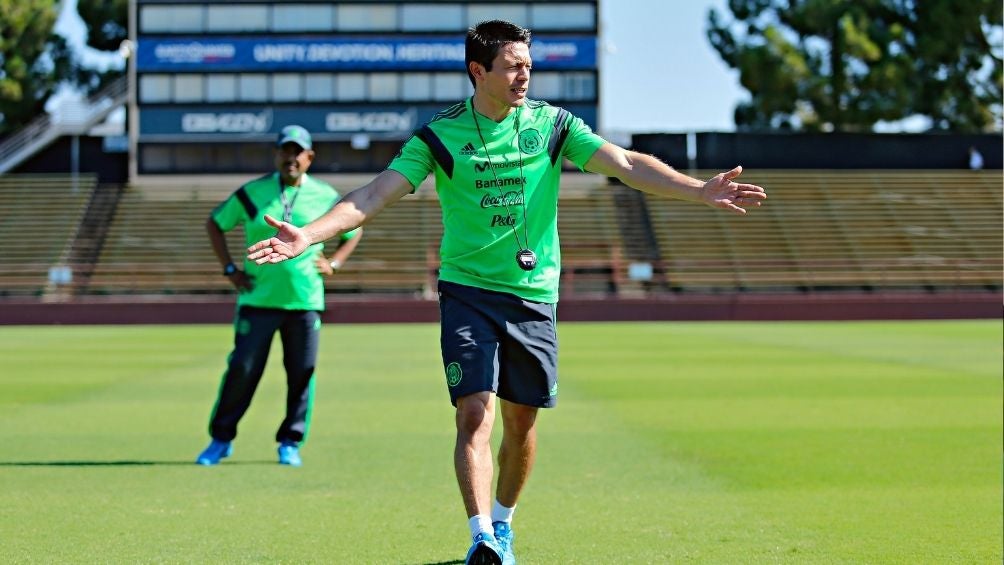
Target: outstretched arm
x: 355, y: 209
x: 648, y: 174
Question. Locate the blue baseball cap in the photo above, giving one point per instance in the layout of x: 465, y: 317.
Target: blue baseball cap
x: 295, y: 134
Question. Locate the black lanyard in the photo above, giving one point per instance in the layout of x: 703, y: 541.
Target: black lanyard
x: 287, y: 205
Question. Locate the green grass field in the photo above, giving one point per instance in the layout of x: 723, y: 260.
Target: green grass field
x: 672, y: 443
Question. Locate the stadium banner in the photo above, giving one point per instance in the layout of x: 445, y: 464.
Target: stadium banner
x: 200, y: 123
x: 200, y: 54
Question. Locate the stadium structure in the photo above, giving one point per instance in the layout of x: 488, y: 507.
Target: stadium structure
x: 857, y: 225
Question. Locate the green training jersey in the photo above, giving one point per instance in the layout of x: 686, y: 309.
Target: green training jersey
x: 295, y: 284
x: 498, y: 189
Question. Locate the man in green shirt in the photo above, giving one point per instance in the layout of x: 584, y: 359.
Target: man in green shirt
x: 497, y: 160
x: 287, y: 298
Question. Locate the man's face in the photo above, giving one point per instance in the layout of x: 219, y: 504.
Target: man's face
x: 509, y: 78
x: 292, y: 161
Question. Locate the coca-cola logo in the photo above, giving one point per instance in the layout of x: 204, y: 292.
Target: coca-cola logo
x: 511, y: 198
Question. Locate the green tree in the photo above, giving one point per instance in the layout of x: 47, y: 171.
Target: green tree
x: 107, y: 28
x: 843, y: 65
x: 34, y: 60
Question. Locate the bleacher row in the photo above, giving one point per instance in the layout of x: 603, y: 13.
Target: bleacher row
x: 833, y: 230
x: 39, y: 221
x: 818, y: 231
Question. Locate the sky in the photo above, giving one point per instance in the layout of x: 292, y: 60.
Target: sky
x: 658, y: 72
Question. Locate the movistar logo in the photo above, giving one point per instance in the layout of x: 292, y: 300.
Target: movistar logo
x: 468, y: 150
x: 482, y: 167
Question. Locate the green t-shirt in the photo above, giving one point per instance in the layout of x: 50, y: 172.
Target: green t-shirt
x: 295, y: 284
x: 484, y: 202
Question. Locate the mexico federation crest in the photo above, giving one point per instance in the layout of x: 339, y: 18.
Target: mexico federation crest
x: 530, y: 141
x: 454, y: 374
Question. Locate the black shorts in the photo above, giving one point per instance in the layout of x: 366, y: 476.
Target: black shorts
x: 494, y: 341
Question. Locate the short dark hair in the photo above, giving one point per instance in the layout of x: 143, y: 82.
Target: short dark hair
x: 485, y: 39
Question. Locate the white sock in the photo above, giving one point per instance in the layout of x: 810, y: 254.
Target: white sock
x: 480, y: 523
x: 502, y: 513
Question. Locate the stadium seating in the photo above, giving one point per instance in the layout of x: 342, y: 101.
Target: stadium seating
x: 841, y: 230
x: 41, y: 215
x: 398, y: 253
x: 156, y: 243
x: 819, y: 231
x: 592, y: 246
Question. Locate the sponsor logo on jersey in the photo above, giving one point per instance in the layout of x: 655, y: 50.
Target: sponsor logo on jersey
x: 500, y: 182
x: 468, y: 150
x: 500, y: 220
x: 482, y: 167
x: 502, y: 199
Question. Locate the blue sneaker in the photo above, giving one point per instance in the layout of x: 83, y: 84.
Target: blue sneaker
x: 289, y: 454
x: 484, y: 551
x: 504, y: 535
x: 217, y: 450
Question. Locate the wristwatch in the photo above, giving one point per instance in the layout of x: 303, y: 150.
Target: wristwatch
x: 335, y: 264
x: 229, y: 269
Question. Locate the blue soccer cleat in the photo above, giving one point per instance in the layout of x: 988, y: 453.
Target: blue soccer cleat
x: 504, y: 535
x: 217, y: 450
x: 289, y: 454
x: 484, y: 551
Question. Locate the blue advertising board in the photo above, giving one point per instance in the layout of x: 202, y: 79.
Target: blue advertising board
x: 200, y: 54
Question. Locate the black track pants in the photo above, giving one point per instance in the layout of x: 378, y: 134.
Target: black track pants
x: 299, y: 331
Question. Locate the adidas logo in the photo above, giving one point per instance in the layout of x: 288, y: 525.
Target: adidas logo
x: 468, y: 150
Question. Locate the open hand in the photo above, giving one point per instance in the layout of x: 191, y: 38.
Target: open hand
x: 287, y: 243
x: 722, y: 192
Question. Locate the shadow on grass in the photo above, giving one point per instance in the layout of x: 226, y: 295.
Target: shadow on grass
x: 125, y: 463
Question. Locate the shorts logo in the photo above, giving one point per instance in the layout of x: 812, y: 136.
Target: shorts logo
x: 530, y: 141
x: 554, y: 390
x: 453, y: 374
